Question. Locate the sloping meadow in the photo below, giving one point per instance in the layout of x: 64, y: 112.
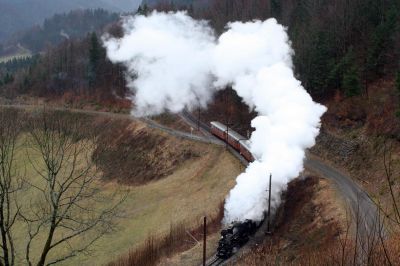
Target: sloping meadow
x: 142, y: 181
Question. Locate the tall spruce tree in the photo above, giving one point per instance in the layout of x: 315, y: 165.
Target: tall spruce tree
x: 94, y: 58
x: 398, y: 81
x: 351, y: 81
x: 397, y: 85
x: 381, y: 43
x: 276, y: 9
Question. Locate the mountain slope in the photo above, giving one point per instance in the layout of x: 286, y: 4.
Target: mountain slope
x: 124, y: 5
x: 17, y: 15
x: 195, y: 3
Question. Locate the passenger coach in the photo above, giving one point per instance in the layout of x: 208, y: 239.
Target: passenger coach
x: 234, y: 139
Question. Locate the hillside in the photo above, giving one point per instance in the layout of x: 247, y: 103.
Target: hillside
x: 345, y: 55
x: 173, y: 183
x: 60, y: 27
x: 19, y: 15
x: 328, y: 59
x: 177, y: 3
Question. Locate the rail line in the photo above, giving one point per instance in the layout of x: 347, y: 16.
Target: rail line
x: 354, y: 195
x: 215, y: 262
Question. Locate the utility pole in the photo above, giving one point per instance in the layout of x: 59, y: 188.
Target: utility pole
x: 198, y: 119
x: 205, y: 241
x: 269, y: 206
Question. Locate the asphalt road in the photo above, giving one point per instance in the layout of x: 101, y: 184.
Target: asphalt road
x: 363, y: 209
x: 365, y: 214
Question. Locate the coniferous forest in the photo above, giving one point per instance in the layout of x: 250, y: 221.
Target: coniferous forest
x: 340, y: 46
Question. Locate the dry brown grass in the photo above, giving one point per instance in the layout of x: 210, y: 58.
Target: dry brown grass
x: 193, y: 189
x: 315, y: 230
x: 175, y: 122
x: 179, y: 238
x: 367, y: 125
x: 327, y: 255
x: 305, y: 223
x: 133, y: 154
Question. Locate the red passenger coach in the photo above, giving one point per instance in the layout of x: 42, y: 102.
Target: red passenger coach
x: 245, y: 150
x: 218, y: 129
x: 234, y: 139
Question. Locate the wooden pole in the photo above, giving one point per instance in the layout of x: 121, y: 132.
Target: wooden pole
x: 269, y: 205
x: 205, y: 241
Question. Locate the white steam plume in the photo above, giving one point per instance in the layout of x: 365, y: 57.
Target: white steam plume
x: 179, y: 62
x: 170, y: 53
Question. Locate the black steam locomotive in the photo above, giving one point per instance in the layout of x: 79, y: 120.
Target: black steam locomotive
x: 234, y: 237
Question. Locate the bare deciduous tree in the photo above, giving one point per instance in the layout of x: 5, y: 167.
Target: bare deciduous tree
x: 387, y: 163
x: 10, y: 183
x: 71, y: 211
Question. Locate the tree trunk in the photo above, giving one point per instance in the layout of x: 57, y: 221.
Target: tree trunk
x: 46, y: 247
x: 4, y: 238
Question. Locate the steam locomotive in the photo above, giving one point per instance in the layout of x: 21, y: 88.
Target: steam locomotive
x: 238, y: 233
x: 234, y: 139
x: 234, y: 237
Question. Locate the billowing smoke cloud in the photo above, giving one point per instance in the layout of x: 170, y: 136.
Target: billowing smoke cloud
x: 170, y: 53
x: 179, y: 62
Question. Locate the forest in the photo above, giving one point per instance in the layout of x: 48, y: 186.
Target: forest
x: 72, y: 25
x: 340, y: 47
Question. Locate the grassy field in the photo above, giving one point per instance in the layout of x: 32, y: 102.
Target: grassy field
x: 195, y: 188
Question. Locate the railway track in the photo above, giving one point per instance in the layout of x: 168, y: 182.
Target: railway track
x: 215, y: 262
x: 356, y: 197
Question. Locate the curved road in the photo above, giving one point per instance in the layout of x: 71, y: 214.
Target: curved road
x: 363, y: 208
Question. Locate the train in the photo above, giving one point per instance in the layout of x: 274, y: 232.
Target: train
x: 234, y: 139
x: 234, y: 237
x: 238, y: 233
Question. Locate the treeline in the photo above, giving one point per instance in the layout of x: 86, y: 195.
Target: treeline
x: 339, y: 45
x: 75, y: 70
x: 16, y: 64
x: 75, y: 24
x: 8, y: 68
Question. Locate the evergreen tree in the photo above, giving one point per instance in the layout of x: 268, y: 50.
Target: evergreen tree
x: 8, y: 78
x: 397, y: 84
x: 139, y: 10
x: 143, y: 9
x: 318, y: 64
x: 94, y: 58
x: 381, y: 44
x: 190, y: 9
x: 276, y: 9
x: 351, y: 82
